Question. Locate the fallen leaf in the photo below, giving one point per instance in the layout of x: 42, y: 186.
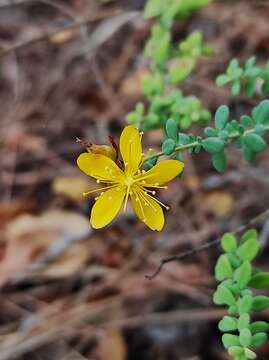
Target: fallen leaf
x: 70, y: 262
x: 64, y: 36
x: 27, y: 236
x: 10, y: 210
x: 72, y: 187
x: 191, y: 181
x: 220, y: 203
x: 112, y: 346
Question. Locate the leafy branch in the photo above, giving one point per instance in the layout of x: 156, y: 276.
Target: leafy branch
x: 208, y: 245
x: 170, y: 64
x: 237, y: 277
x: 245, y: 79
x: 247, y: 133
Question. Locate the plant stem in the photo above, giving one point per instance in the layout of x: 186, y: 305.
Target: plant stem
x: 233, y: 136
x: 177, y: 149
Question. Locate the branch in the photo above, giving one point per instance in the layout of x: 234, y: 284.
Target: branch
x: 46, y: 35
x: 262, y: 216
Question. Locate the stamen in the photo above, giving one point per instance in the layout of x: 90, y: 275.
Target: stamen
x: 153, y: 192
x: 126, y: 198
x: 146, y: 201
x: 159, y: 202
x: 155, y: 187
x: 100, y: 189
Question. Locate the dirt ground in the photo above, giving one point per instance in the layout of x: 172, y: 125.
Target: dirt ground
x: 71, y: 69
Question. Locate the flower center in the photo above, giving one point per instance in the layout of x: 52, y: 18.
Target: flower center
x: 128, y: 181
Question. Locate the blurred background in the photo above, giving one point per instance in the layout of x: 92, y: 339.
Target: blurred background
x: 72, y: 69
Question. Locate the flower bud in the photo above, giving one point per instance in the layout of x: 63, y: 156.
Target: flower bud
x: 105, y: 150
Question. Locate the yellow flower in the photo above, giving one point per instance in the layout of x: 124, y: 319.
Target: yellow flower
x: 129, y: 182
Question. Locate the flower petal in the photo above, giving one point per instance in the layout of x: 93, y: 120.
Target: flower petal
x: 151, y: 214
x: 107, y: 207
x: 99, y: 166
x: 131, y: 149
x: 163, y: 172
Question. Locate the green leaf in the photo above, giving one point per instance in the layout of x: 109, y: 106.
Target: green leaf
x: 243, y: 274
x: 171, y: 129
x: 230, y: 340
x: 245, y: 337
x: 153, y: 8
x: 260, y: 129
x: 254, y: 141
x: 232, y: 310
x: 210, y: 132
x: 259, y: 339
x: 150, y: 163
x: 246, y: 120
x: 221, y: 117
x: 243, y: 321
x: 252, y: 72
x: 228, y: 242
x: 248, y: 250
x: 223, y: 269
x: 213, y: 145
x: 259, y: 280
x: 236, y: 88
x: 250, y: 62
x: 224, y: 296
x: 168, y: 146
x: 261, y: 112
x: 259, y: 326
x: 228, y: 323
x: 183, y: 139
x: 249, y: 88
x: 260, y: 303
x: 219, y: 161
x: 249, y: 155
x: 249, y: 234
x: 181, y: 70
x: 222, y: 80
x: 236, y: 351
x: 234, y: 260
x: 249, y: 354
x: 245, y: 304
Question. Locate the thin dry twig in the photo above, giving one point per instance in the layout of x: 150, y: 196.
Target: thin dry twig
x: 48, y: 34
x: 262, y: 216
